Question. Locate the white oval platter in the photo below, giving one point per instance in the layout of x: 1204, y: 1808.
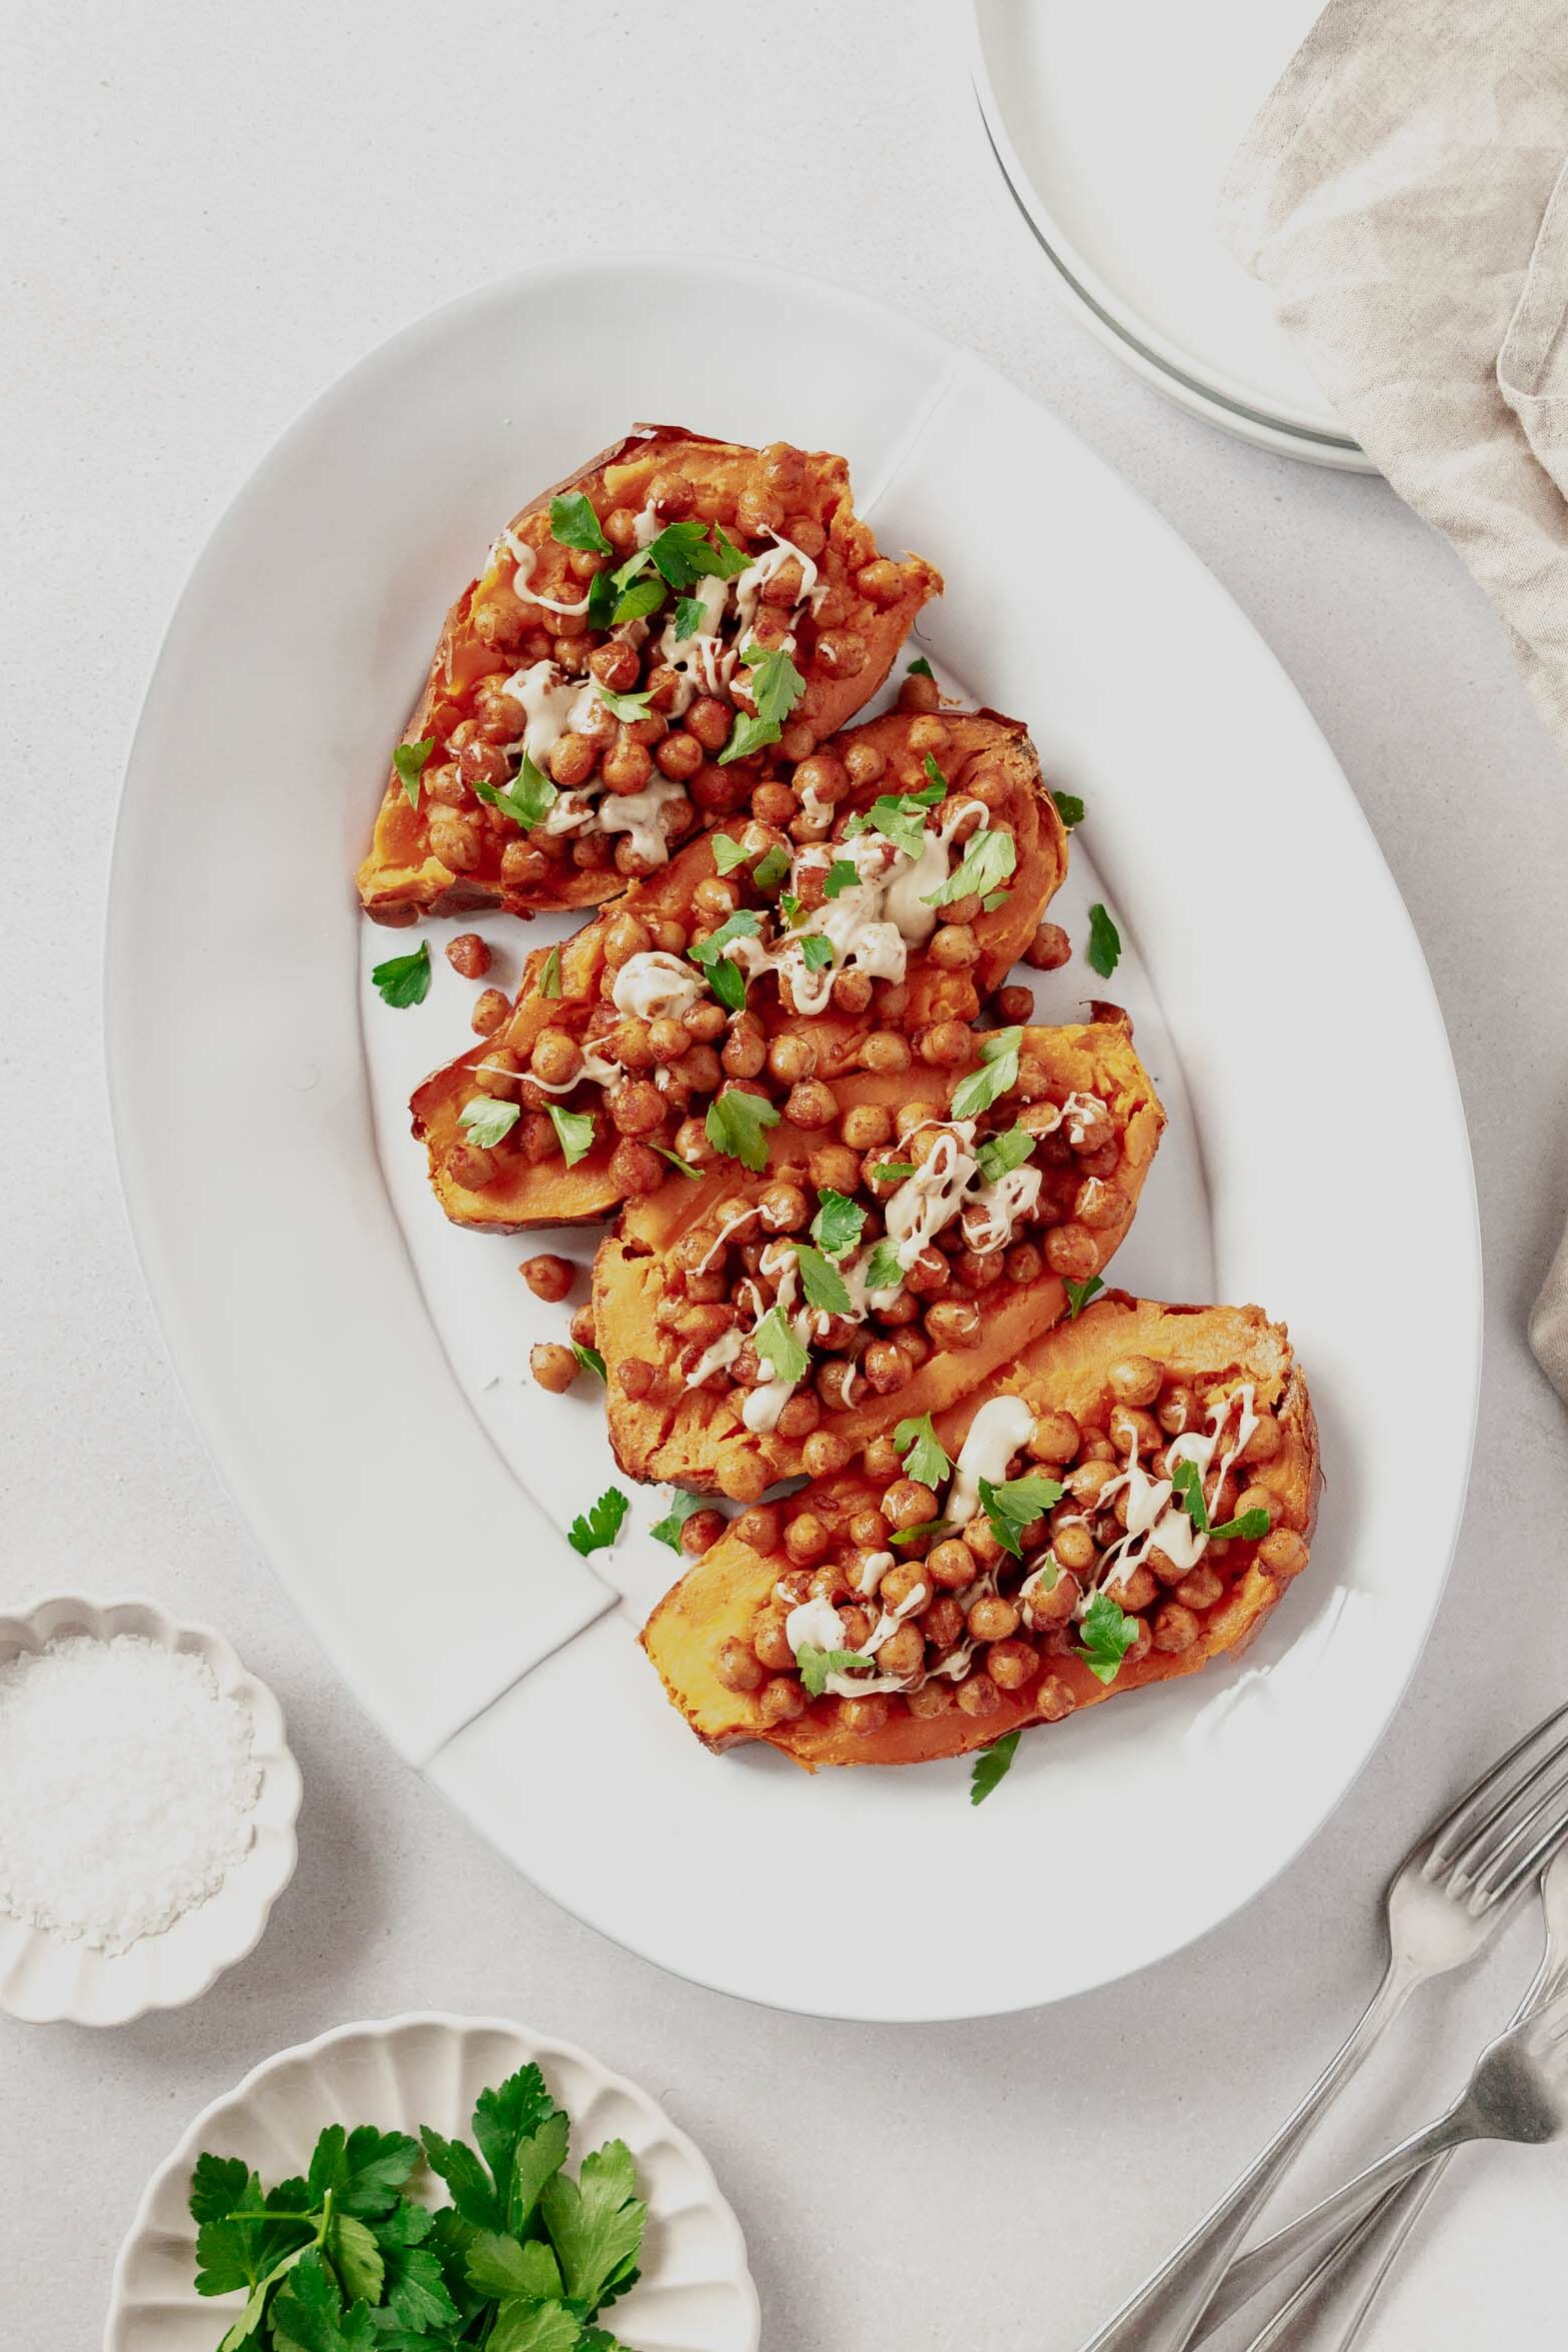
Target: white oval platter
x: 361, y: 1370
x: 694, y: 2294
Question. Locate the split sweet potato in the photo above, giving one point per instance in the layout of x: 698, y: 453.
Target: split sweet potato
x: 662, y: 1427
x: 838, y: 606
x: 700, y: 1636
x: 526, y: 1181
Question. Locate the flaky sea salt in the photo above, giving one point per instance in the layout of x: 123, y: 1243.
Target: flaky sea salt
x: 126, y: 1787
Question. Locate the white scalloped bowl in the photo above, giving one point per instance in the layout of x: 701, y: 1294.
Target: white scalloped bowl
x: 695, y: 2292
x: 43, y: 1979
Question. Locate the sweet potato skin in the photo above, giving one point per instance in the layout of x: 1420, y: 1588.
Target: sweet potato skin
x: 401, y: 880
x: 979, y: 743
x: 1061, y: 1371
x: 696, y: 1439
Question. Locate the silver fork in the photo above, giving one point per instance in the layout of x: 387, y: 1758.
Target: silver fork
x: 1326, y: 2310
x: 1448, y: 1898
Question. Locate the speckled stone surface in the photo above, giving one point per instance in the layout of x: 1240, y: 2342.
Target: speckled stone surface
x: 205, y: 215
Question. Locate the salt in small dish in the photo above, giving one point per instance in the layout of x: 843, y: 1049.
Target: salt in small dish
x: 44, y: 1978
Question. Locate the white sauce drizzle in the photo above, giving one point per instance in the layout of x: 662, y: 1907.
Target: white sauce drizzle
x: 1155, y: 1519
x: 654, y: 986
x: 998, y: 1430
x: 525, y: 558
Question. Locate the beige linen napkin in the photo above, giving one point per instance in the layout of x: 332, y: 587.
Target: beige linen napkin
x: 1403, y: 195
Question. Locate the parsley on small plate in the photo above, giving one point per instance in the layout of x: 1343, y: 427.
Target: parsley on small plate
x: 1069, y: 809
x: 1104, y: 947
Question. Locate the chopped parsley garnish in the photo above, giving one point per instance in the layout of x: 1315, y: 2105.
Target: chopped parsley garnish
x: 997, y: 1074
x: 575, y: 1131
x: 933, y: 775
x: 591, y: 1360
x: 1000, y: 1155
x: 777, y: 686
x: 574, y: 522
x: 526, y: 800
x: 676, y: 1161
x: 727, y: 855
x: 789, y: 909
x: 915, y: 1535
x: 628, y: 708
x: 603, y: 597
x: 1104, y: 947
x: 1012, y: 1508
x: 1187, y: 1480
x: 920, y: 668
x: 485, y: 1119
x: 682, y: 554
x: 777, y: 1346
x: 735, y: 1124
x: 893, y: 1172
x: 403, y: 979
x: 595, y: 1529
x: 1252, y: 1526
x: 550, y: 978
x: 667, y: 1529
x: 817, y: 1664
x: 1108, y: 1633
x: 820, y: 1279
x: 925, y: 1459
x: 691, y: 613
x: 637, y: 602
x: 409, y: 760
x: 841, y: 875
x: 901, y: 816
x: 1079, y: 1294
x: 728, y: 983
x: 741, y: 925
x: 817, y: 953
x: 991, y: 1766
x: 1069, y: 809
x: 989, y: 858
x: 836, y: 1227
x: 771, y: 869
x: 882, y: 1269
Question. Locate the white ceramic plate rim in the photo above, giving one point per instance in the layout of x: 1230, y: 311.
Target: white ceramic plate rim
x: 142, y: 1172
x: 1194, y: 383
x: 92, y: 1987
x: 532, y: 2047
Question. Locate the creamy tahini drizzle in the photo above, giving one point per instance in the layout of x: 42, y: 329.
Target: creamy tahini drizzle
x: 817, y: 1625
x: 1155, y: 1519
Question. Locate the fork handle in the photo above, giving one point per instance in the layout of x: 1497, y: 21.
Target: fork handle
x: 1326, y: 2310
x: 1165, y: 2313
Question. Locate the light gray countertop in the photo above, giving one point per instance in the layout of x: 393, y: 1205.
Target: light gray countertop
x: 207, y: 214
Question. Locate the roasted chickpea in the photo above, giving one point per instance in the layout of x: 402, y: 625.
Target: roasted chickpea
x: 886, y: 1369
x: 635, y: 1170
x: 950, y: 1565
x: 1282, y: 1552
x: 863, y: 1126
x: 1053, y: 1439
x: 918, y: 693
x: 978, y: 1695
x: 615, y: 665
x: 953, y: 947
x: 807, y: 1538
x: 903, y: 1652
x: 472, y: 1166
x: 837, y: 1384
x: 862, y: 1716
x: 738, y: 1666
x: 771, y: 1641
x: 1176, y: 1627
x: 1262, y: 1499
x: 678, y: 755
x: 709, y: 721
x: 1138, y: 1590
x: 1074, y: 1546
x: 1053, y: 1699
x: 746, y: 1049
x: 784, y: 1209
x: 469, y: 954
x: 1010, y: 1665
x: 553, y: 1366
x: 637, y: 1108
x: 946, y: 1044
x: 823, y: 1453
x: 790, y: 1058
x: 1179, y: 1412
x: 801, y: 1416
x: 1264, y: 1442
x: 1054, y: 1607
x: 1199, y: 1588
x: 548, y: 1276
x: 908, y: 1504
x: 885, y: 1052
x: 1099, y: 1204
x: 952, y: 1323
x: 624, y: 936
x: 1050, y: 948
x: 1022, y: 1263
x: 635, y: 1377
x: 991, y: 1618
x: 556, y: 1056
x: 456, y: 838
x: 1072, y: 1252
x: 811, y: 1105
x: 702, y: 1532
x: 489, y: 1011
x: 626, y: 767
x: 783, y: 1700
x: 1127, y: 1428
x: 1013, y: 1007
x: 759, y: 1526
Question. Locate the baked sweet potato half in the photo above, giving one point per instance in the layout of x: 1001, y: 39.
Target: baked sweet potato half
x: 768, y: 1319
x: 1063, y: 1566
x: 810, y: 904
x: 674, y: 608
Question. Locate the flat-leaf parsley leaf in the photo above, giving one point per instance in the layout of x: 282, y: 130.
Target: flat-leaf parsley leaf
x: 667, y: 1529
x: 735, y: 1124
x: 572, y: 523
x: 600, y: 1524
x: 1108, y: 1633
x: 409, y: 760
x: 576, y: 1131
x: 997, y: 1074
x: 485, y: 1120
x: 925, y: 1459
x: 1104, y: 947
x: 403, y: 979
x: 837, y: 1224
x: 991, y: 1766
x: 1079, y: 1294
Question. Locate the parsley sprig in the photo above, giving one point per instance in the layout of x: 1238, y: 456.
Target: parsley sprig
x: 997, y: 1074
x: 522, y: 2259
x: 777, y: 686
x: 1107, y: 1635
x: 1015, y: 1505
x: 596, y: 1528
x: 925, y: 1459
x: 991, y: 1766
x: 403, y: 979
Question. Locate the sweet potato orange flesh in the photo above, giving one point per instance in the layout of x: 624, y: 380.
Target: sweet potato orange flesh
x: 843, y: 655
x: 980, y: 750
x: 1064, y: 1369
x: 694, y: 1438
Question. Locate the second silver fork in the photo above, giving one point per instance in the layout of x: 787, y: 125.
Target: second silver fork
x: 1449, y: 1897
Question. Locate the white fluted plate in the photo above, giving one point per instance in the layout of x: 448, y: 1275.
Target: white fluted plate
x: 45, y: 1980
x: 694, y: 2294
